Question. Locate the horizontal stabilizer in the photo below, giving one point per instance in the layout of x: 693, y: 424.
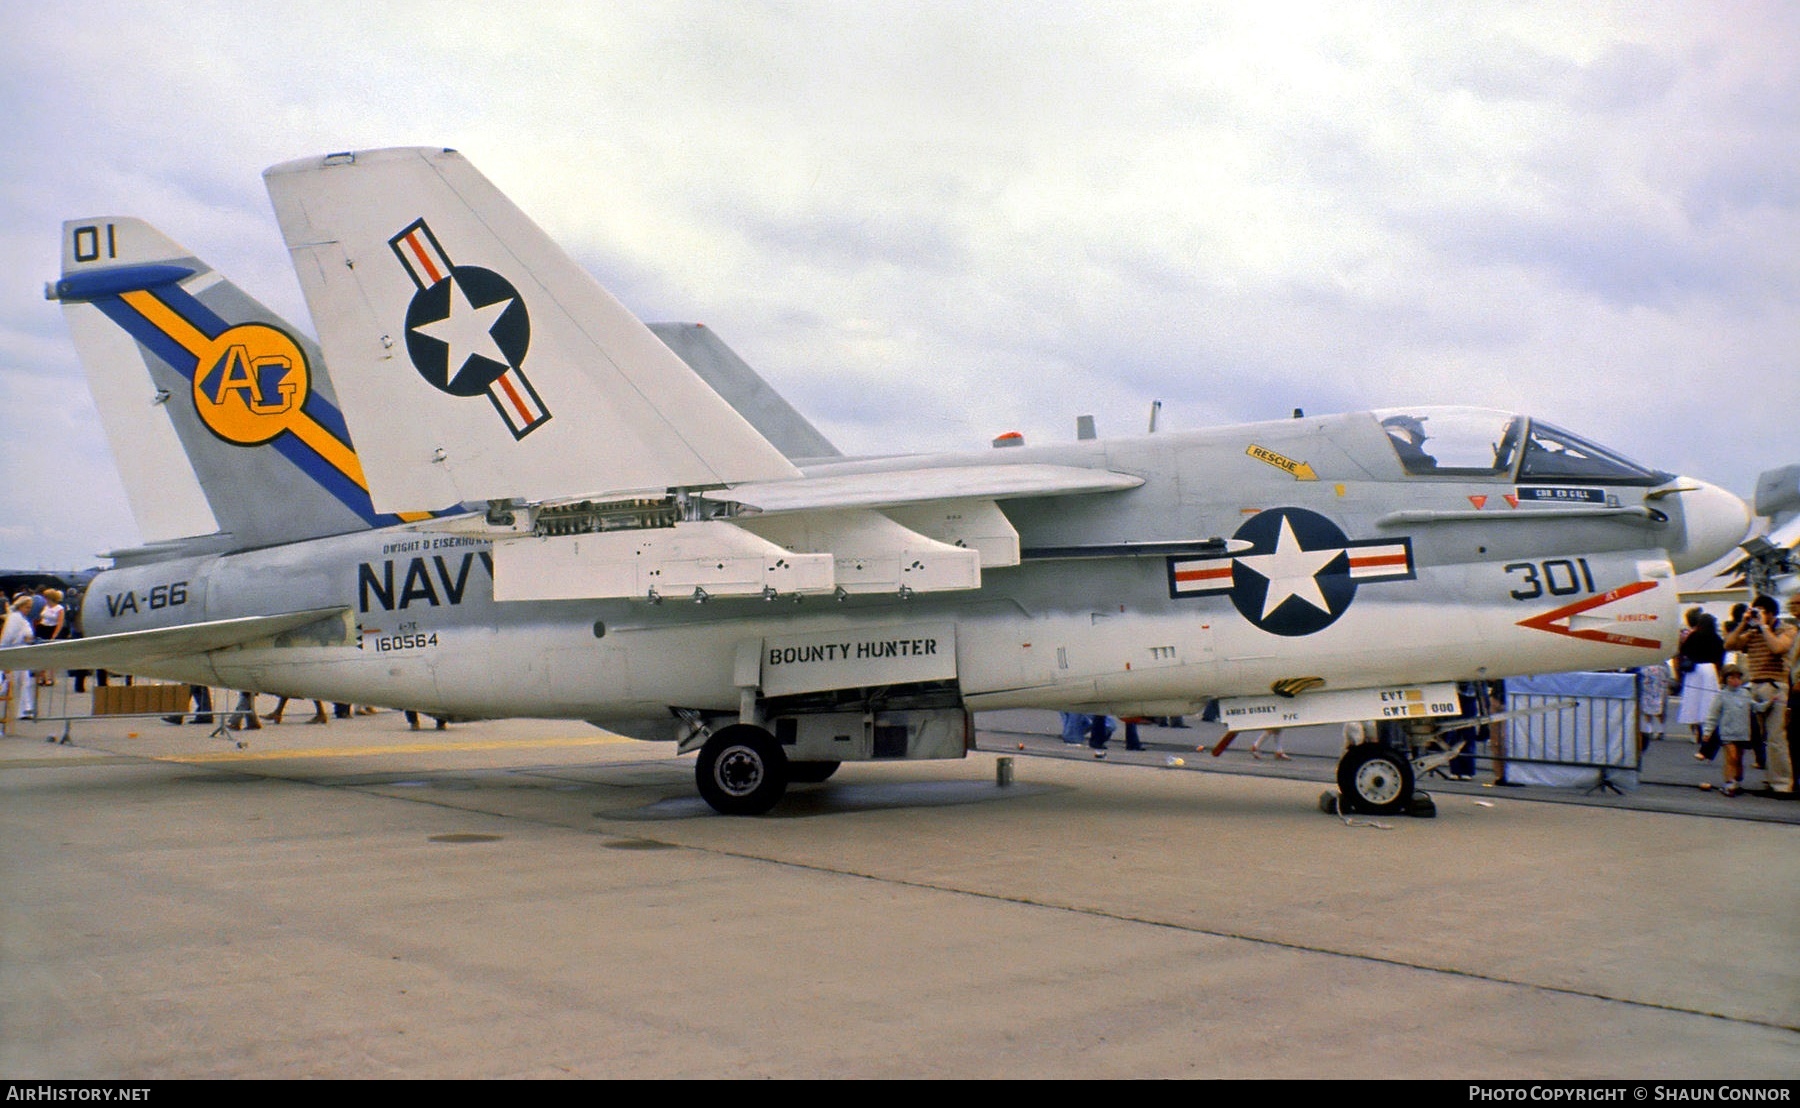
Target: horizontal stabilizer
x: 128, y: 649
x: 475, y: 359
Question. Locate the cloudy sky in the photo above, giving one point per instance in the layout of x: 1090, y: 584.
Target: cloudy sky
x: 928, y: 223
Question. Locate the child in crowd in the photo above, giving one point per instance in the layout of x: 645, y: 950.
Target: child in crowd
x: 1729, y: 722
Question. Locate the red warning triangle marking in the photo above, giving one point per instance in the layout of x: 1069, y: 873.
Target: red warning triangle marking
x: 1511, y: 500
x: 1480, y: 501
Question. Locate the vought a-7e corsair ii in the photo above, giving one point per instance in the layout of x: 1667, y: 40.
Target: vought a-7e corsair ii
x: 509, y: 497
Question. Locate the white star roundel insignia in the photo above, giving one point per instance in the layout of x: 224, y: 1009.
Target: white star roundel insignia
x: 1299, y: 574
x: 467, y: 330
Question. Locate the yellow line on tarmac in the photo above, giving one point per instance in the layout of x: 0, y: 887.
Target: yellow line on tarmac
x: 402, y: 748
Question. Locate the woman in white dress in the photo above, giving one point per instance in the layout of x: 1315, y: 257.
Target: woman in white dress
x: 1702, y: 652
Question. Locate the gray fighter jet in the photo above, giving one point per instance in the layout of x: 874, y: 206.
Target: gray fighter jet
x: 509, y: 498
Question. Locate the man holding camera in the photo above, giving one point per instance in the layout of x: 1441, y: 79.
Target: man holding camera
x: 1766, y: 641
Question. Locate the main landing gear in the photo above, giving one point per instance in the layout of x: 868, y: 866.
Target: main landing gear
x: 743, y: 771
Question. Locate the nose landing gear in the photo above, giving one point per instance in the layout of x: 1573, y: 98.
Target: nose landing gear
x: 1375, y: 779
x: 1378, y: 780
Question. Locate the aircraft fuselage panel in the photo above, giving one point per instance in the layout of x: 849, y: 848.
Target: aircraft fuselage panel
x: 1279, y: 578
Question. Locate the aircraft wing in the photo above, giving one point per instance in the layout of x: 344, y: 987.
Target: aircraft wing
x: 129, y: 649
x: 903, y: 531
x: 745, y: 390
x: 893, y: 488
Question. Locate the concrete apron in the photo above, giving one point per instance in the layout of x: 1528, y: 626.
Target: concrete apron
x: 531, y: 899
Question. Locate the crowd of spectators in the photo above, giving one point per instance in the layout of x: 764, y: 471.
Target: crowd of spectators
x: 1736, y: 684
x: 32, y: 615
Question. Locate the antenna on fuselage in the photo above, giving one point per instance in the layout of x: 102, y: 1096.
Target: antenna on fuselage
x: 1155, y: 410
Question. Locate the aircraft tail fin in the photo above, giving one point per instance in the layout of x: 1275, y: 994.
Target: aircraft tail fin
x: 519, y: 376
x: 221, y: 414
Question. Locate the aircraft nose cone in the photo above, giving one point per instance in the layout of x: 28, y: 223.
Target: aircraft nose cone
x: 1713, y: 522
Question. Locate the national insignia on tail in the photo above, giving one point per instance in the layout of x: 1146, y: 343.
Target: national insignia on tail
x: 467, y: 330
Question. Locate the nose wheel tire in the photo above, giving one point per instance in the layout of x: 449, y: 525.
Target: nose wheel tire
x: 1375, y: 780
x: 742, y: 771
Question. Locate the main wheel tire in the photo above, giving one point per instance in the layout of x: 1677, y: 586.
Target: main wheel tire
x: 1375, y: 780
x: 811, y: 773
x: 742, y: 771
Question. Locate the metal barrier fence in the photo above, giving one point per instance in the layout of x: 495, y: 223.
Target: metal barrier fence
x: 1591, y: 743
x: 60, y: 704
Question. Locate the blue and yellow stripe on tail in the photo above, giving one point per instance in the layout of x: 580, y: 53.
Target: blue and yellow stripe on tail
x: 250, y: 382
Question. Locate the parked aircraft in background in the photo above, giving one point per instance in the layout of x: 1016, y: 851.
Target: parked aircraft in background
x: 508, y: 498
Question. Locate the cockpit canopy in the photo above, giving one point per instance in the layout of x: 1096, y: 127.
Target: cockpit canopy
x: 1481, y: 442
